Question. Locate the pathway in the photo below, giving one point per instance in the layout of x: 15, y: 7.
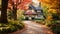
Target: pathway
x: 33, y: 28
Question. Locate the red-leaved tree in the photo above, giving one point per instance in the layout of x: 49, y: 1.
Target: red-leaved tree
x: 18, y: 4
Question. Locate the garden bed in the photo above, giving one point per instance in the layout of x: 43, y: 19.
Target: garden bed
x: 11, y: 26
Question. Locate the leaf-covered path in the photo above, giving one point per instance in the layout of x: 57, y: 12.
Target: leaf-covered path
x: 33, y: 28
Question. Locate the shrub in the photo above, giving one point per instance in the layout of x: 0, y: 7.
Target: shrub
x: 55, y: 26
x: 11, y: 26
x: 39, y: 21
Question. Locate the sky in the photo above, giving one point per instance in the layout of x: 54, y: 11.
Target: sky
x: 36, y: 2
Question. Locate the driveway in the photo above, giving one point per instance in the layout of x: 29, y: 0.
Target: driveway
x: 34, y: 28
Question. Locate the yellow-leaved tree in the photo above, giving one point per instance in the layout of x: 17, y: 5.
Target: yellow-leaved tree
x: 50, y: 7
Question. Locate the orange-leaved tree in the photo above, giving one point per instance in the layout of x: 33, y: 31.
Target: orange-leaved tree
x: 18, y: 4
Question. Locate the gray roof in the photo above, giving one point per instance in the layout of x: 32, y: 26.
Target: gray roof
x: 35, y: 8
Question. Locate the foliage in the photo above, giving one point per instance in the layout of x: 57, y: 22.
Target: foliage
x: 49, y: 7
x: 56, y: 16
x: 9, y: 14
x: 55, y: 26
x: 23, y: 4
x: 52, y: 13
x: 20, y: 15
x: 11, y: 26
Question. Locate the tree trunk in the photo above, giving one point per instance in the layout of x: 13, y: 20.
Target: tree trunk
x: 14, y: 12
x: 4, y: 11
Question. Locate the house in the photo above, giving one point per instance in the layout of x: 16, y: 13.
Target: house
x: 33, y: 13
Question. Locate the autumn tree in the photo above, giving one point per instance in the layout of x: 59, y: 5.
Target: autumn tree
x: 18, y: 4
x: 53, y: 6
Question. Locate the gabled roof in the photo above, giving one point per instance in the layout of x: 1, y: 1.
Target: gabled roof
x: 35, y: 8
